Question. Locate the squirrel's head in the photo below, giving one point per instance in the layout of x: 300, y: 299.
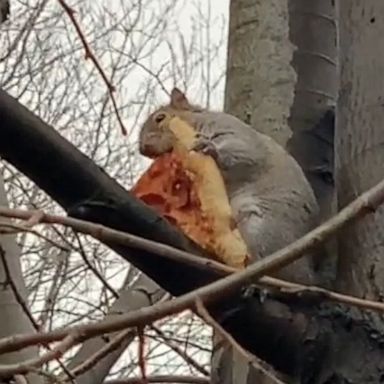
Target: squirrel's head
x: 155, y: 136
x: 177, y: 106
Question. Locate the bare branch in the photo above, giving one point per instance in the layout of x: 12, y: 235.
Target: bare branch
x: 259, y: 366
x: 89, y: 55
x: 219, y: 290
x: 162, y: 379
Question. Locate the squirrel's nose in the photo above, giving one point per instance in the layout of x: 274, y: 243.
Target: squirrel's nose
x: 148, y: 150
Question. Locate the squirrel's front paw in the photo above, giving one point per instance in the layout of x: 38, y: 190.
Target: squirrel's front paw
x: 205, y: 145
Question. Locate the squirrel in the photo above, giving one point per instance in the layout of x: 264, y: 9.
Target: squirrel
x: 272, y: 202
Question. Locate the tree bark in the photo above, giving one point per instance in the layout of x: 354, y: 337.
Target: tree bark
x: 312, y: 27
x: 260, y: 87
x: 260, y: 82
x: 359, y: 164
x: 143, y: 292
x: 359, y: 143
x: 313, y: 32
x: 13, y: 317
x: 281, y: 79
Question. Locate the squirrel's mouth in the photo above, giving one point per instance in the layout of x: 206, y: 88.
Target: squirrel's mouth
x: 154, y: 150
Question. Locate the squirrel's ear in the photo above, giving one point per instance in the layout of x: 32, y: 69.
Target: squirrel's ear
x: 179, y: 100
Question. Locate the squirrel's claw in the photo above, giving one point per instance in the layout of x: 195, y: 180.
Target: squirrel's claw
x: 205, y: 145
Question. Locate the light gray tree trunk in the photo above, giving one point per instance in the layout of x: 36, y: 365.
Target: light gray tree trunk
x: 360, y: 143
x: 313, y: 32
x: 143, y: 292
x: 260, y: 80
x: 359, y: 156
x: 281, y: 79
x: 259, y: 90
x: 13, y: 318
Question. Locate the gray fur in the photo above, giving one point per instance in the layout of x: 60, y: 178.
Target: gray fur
x: 271, y: 199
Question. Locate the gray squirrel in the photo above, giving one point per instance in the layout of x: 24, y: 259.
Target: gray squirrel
x: 272, y: 202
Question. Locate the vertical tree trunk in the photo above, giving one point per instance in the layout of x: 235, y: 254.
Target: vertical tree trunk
x: 359, y: 143
x: 13, y: 318
x: 260, y: 80
x: 143, y: 292
x: 359, y: 156
x: 281, y: 79
x: 259, y: 90
x: 265, y: 90
x: 313, y: 33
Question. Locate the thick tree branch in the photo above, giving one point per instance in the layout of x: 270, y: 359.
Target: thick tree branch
x: 85, y: 191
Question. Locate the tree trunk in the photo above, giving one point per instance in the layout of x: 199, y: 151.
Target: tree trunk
x: 13, y: 318
x: 143, y: 292
x: 260, y: 81
x: 313, y: 33
x: 281, y: 79
x: 259, y: 90
x: 359, y: 165
x: 359, y: 143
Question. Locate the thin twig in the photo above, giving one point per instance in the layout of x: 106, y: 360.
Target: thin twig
x: 89, y: 55
x: 256, y: 363
x: 95, y: 271
x: 92, y: 360
x: 188, y: 359
x: 141, y: 354
x: 12, y: 229
x: 34, y: 219
x: 8, y: 370
x: 162, y: 379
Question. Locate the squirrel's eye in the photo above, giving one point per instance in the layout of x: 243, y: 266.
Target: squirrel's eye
x: 160, y: 117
